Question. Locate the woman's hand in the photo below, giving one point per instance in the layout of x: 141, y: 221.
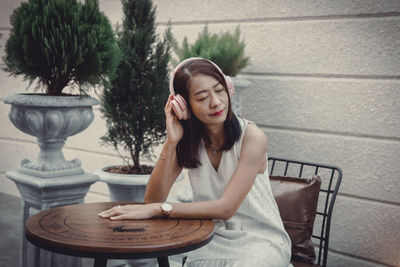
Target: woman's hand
x: 138, y: 212
x: 174, y: 128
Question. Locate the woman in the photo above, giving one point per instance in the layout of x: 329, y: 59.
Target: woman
x: 226, y: 161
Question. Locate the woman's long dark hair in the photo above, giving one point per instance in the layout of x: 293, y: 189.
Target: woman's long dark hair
x: 194, y: 130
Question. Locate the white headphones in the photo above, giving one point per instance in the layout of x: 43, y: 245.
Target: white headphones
x: 179, y: 104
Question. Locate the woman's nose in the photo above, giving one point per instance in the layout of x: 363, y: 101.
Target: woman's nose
x: 214, y: 101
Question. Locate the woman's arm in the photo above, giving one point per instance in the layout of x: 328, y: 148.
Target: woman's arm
x: 251, y: 162
x: 166, y: 169
x: 252, y: 157
x: 213, y: 209
x: 164, y: 175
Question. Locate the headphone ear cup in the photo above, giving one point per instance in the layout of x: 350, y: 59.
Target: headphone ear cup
x: 180, y: 107
x: 177, y: 110
x: 229, y: 84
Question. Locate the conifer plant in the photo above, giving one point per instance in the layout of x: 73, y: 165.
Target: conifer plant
x: 224, y: 49
x: 60, y: 43
x: 133, y: 103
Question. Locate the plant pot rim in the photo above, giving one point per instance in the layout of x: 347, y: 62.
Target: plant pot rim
x: 121, y: 179
x: 42, y: 100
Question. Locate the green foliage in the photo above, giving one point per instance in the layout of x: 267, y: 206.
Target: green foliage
x: 224, y: 49
x: 61, y: 43
x: 133, y: 103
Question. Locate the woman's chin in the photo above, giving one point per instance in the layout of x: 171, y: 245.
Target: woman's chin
x: 217, y: 119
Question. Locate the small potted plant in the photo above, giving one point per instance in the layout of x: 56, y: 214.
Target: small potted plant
x: 57, y: 43
x: 133, y: 103
x: 224, y: 49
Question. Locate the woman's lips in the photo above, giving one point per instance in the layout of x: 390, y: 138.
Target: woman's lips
x: 218, y: 113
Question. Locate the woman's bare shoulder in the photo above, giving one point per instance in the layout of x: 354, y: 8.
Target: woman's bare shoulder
x: 254, y: 137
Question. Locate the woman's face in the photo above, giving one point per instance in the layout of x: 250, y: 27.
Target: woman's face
x: 208, y: 99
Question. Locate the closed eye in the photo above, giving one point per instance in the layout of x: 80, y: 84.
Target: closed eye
x: 219, y: 88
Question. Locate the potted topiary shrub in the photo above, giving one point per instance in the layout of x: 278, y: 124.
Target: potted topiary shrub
x: 57, y: 43
x: 133, y: 103
x: 226, y: 50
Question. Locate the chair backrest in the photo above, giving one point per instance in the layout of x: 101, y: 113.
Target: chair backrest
x: 331, y: 177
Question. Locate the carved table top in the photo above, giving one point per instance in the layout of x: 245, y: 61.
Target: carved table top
x: 77, y: 230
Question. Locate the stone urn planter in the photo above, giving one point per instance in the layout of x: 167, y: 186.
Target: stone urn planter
x: 240, y: 84
x: 124, y: 187
x: 51, y: 119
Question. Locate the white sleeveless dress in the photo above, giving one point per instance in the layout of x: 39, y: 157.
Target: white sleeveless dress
x: 255, y: 235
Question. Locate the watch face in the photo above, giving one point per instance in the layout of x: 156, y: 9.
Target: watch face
x: 166, y: 207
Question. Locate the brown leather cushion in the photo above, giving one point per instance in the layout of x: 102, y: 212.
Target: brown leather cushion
x: 297, y: 200
x: 303, y: 264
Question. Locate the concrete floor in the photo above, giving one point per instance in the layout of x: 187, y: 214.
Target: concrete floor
x: 10, y: 222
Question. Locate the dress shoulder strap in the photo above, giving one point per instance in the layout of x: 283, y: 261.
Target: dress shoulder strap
x: 243, y: 125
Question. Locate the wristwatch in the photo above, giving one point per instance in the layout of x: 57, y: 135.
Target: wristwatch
x: 166, y: 209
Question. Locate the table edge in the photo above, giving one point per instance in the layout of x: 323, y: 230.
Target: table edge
x: 119, y: 255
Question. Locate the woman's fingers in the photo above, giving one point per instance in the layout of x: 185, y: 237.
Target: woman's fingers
x: 117, y: 214
x: 174, y: 129
x: 169, y: 114
x: 126, y: 212
x: 168, y: 103
x: 120, y: 217
x: 107, y: 213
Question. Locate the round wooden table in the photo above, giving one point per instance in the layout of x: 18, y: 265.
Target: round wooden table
x: 77, y: 230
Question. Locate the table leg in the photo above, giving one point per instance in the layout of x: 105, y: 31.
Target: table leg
x: 163, y: 262
x: 37, y: 256
x: 100, y: 262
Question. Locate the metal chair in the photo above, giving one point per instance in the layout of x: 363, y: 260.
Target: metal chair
x: 331, y: 177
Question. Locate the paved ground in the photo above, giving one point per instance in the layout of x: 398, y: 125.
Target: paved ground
x: 10, y: 225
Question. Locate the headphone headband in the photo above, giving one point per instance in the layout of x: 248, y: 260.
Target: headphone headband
x: 228, y: 80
